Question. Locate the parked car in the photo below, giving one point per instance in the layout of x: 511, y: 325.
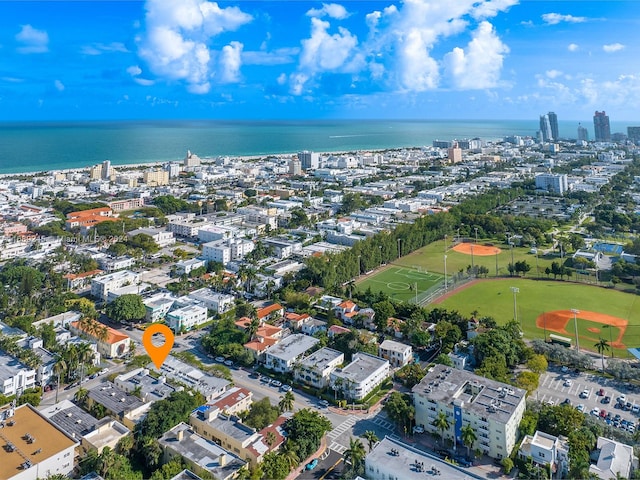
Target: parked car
x: 580, y: 408
x: 606, y: 400
x: 228, y: 363
x: 584, y: 393
x: 276, y: 383
x: 603, y: 413
x: 565, y: 369
x: 463, y: 462
x: 312, y: 464
x: 622, y: 398
x: 635, y: 408
x: 323, y: 403
x: 219, y: 359
x: 418, y: 429
x: 566, y: 401
x: 595, y: 412
x: 568, y: 382
x: 286, y: 388
x: 601, y: 392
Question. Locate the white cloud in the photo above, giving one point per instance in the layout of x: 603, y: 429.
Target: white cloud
x: 553, y: 73
x: 555, y: 18
x: 332, y: 10
x: 323, y: 51
x: 492, y: 8
x: 613, y: 47
x: 145, y: 82
x: 59, y: 85
x: 32, y: 40
x: 480, y: 64
x: 279, y: 56
x: 134, y: 70
x: 573, y: 47
x: 100, y: 48
x: 230, y: 62
x: 176, y: 42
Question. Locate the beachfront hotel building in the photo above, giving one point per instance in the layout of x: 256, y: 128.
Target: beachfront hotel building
x: 493, y: 409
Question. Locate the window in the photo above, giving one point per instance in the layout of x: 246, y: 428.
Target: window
x: 541, y: 454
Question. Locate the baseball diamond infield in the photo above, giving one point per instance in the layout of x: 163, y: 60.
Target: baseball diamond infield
x: 476, y: 249
x: 557, y: 321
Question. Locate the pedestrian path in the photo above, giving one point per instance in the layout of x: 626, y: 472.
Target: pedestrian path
x: 381, y: 422
x: 339, y: 430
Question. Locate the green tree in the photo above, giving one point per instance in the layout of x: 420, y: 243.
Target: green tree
x: 602, y: 346
x: 275, y: 466
x: 383, y: 310
x: 81, y: 395
x: 444, y: 359
x: 507, y: 465
x: 169, y: 470
x: 371, y: 438
x: 469, y: 437
x: 127, y: 308
x: 355, y: 454
x: 305, y: 429
x: 286, y: 402
x: 441, y: 422
x: 399, y: 409
x: 538, y: 364
x: 528, y: 381
x: 59, y: 368
x: 261, y: 414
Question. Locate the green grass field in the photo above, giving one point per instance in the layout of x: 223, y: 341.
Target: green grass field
x: 400, y: 282
x: 431, y: 258
x: 494, y: 298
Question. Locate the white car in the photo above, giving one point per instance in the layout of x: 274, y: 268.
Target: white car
x: 568, y: 382
x: 580, y: 408
x: 418, y: 429
x: 595, y: 412
x: 565, y: 369
x: 584, y: 393
x: 622, y: 398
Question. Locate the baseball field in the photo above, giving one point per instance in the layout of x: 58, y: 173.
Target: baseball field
x: 544, y: 307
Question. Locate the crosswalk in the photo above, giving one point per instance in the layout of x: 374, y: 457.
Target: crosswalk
x: 381, y: 422
x: 339, y: 430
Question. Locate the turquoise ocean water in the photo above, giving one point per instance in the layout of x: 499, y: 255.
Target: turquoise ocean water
x: 34, y: 147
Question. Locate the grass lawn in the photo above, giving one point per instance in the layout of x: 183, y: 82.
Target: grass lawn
x: 431, y: 258
x: 400, y: 282
x: 494, y: 298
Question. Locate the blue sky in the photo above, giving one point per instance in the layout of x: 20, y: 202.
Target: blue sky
x: 412, y: 59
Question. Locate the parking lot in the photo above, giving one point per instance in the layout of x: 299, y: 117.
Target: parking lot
x: 557, y: 386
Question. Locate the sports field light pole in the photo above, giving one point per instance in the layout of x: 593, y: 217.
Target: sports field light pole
x: 476, y: 229
x: 515, y: 291
x: 445, y: 273
x: 575, y: 312
x: 415, y: 286
x: 399, y: 251
x: 472, y: 266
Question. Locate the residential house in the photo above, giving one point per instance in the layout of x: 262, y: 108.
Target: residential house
x: 270, y: 312
x: 127, y: 408
x: 145, y: 386
x: 81, y: 280
x: 233, y: 401
x: 203, y: 456
x: 547, y: 451
x: 314, y: 325
x: 397, y: 353
x: 185, y: 267
x: 176, y: 370
x: 103, y: 285
x: 216, y: 302
x: 613, y: 460
x: 15, y: 377
x: 161, y: 237
x: 187, y: 318
x: 112, y: 345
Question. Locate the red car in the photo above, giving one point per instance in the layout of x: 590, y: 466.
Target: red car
x: 603, y: 413
x: 601, y: 392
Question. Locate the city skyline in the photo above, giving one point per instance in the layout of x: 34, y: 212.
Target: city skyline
x: 421, y: 59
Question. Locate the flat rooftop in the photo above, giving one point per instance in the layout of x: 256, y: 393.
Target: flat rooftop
x: 151, y: 388
x: 228, y: 425
x: 71, y: 419
x: 10, y: 366
x: 480, y: 395
x: 394, y: 346
x: 179, y: 371
x: 202, y: 452
x: 115, y: 399
x: 292, y: 346
x: 46, y: 440
x: 322, y: 357
x: 403, y: 459
x: 361, y: 367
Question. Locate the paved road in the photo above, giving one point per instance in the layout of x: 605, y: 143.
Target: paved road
x: 329, y: 467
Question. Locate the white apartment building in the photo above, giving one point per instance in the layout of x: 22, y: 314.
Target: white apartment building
x: 224, y: 251
x: 317, y: 367
x: 158, y: 306
x: 211, y: 233
x: 26, y: 431
x: 187, y: 227
x: 283, y: 355
x: 552, y: 182
x: 185, y: 267
x: 493, y: 409
x: 615, y: 460
x: 545, y: 450
x: 397, y: 353
x: 163, y: 238
x: 102, y: 285
x: 14, y: 376
x: 216, y: 302
x: 361, y: 376
x: 186, y: 318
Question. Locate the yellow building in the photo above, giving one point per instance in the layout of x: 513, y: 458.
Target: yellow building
x: 156, y: 177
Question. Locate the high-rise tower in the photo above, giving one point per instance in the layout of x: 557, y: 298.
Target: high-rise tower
x: 601, y: 127
x: 553, y: 122
x: 545, y: 128
x: 583, y: 134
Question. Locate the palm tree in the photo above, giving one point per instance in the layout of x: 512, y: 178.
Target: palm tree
x: 81, y: 395
x: 371, y: 437
x: 59, y: 367
x: 602, y: 346
x: 291, y: 457
x: 85, y: 355
x: 270, y: 438
x: 351, y: 284
x: 355, y: 453
x: 337, y: 385
x: 441, y: 423
x: 468, y: 438
x: 106, y: 461
x: 152, y: 452
x: 286, y: 402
